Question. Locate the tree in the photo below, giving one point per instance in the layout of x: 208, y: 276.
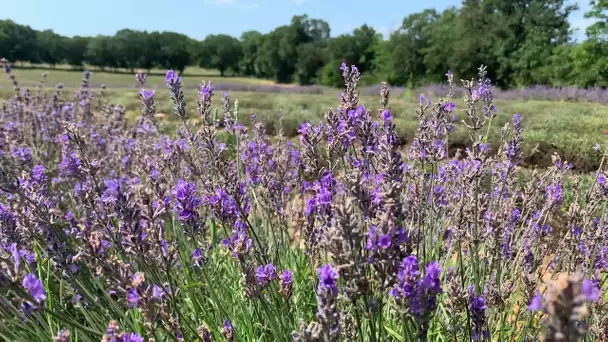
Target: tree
x: 598, y: 31
x: 278, y: 55
x: 75, y: 50
x: 102, y: 52
x: 175, y: 51
x: 280, y: 49
x: 526, y: 32
x: 366, y: 39
x: 358, y: 48
x: 221, y: 52
x: 475, y: 35
x: 440, y: 41
x: 130, y: 48
x: 594, y: 57
x: 150, y: 51
x: 310, y: 30
x: 17, y: 42
x: 407, y: 46
x: 251, y: 43
x: 51, y: 47
x: 311, y: 58
x: 331, y: 75
x: 312, y: 36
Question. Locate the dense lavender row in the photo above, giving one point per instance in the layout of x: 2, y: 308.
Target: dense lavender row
x: 114, y: 232
x: 224, y: 86
x: 540, y: 92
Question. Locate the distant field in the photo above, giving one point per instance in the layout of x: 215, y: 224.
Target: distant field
x: 191, y: 70
x: 551, y: 126
x: 70, y: 78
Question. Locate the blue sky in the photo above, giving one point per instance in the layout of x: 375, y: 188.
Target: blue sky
x: 198, y: 18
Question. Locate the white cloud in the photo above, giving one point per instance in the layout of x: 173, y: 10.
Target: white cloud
x: 298, y: 2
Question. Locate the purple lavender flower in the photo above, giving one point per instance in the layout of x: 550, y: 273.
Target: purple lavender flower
x: 407, y: 276
x: 157, y: 292
x: 427, y: 290
x: 173, y: 82
x: 16, y: 256
x: 70, y: 164
x: 197, y: 256
x: 133, y: 298
x: 384, y: 241
x: 590, y: 291
x: 154, y: 175
x: 185, y: 201
x: 477, y: 308
x: 431, y: 281
x: 419, y: 295
x: 387, y: 116
x: 164, y: 247
x: 39, y: 174
x: 147, y: 94
x: 239, y: 243
x: 112, y: 191
x: 286, y: 283
x: 554, y: 193
x: 265, y: 274
x: 536, y: 303
x: 23, y: 154
x: 328, y: 279
x: 171, y: 78
x: 207, y: 91
x: 223, y: 205
x: 76, y: 298
x: 132, y: 337
x: 34, y: 287
x: 372, y: 238
x: 228, y: 330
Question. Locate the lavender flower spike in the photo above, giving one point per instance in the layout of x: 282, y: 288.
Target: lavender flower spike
x: 34, y: 287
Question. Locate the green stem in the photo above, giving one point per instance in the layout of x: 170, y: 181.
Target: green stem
x: 372, y: 327
x: 359, y: 322
x: 463, y: 284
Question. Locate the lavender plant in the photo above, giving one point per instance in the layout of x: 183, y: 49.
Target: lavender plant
x: 113, y: 231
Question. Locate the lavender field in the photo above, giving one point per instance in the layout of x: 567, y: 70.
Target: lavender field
x: 568, y: 121
x: 366, y: 224
x: 70, y: 79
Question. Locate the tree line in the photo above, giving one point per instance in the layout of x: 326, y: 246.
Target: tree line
x: 523, y: 42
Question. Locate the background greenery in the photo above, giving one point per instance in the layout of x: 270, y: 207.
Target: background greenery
x: 523, y: 42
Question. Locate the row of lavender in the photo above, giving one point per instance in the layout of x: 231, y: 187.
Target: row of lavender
x: 115, y: 232
x: 539, y: 92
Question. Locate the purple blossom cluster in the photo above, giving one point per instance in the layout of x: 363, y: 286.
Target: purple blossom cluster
x: 342, y: 235
x: 418, y: 292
